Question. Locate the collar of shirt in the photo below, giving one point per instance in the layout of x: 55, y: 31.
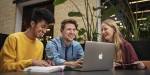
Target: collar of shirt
x: 63, y: 43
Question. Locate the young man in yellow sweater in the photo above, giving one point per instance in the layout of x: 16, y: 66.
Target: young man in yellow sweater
x: 23, y: 49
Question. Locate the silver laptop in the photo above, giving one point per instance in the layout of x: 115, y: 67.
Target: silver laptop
x: 98, y: 56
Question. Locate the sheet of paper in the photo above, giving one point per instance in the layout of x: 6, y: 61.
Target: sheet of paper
x: 45, y: 69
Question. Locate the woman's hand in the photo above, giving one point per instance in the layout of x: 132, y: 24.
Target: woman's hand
x: 116, y: 64
x: 140, y: 64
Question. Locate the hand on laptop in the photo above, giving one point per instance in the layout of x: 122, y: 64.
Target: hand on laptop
x: 81, y: 60
x: 74, y: 64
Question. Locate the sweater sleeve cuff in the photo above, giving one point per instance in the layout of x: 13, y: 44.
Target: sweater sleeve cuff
x: 28, y: 62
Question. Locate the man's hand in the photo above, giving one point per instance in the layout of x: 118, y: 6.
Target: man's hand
x: 50, y: 62
x: 74, y: 64
x: 40, y: 63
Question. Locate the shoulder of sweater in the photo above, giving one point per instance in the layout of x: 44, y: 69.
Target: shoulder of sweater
x: 15, y: 35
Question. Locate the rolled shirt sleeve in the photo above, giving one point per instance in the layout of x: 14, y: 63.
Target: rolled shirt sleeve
x: 52, y: 53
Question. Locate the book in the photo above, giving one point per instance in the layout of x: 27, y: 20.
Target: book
x: 44, y: 69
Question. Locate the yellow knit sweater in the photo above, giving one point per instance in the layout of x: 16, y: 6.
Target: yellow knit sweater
x: 18, y: 52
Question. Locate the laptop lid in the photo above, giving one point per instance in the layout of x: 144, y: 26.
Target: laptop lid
x: 98, y: 56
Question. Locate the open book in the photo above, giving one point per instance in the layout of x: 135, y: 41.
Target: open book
x: 45, y: 69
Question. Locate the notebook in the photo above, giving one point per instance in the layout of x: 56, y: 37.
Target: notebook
x: 44, y: 69
x: 98, y: 56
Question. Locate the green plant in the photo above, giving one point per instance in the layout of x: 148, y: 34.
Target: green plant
x: 145, y: 28
x: 131, y: 20
x: 132, y: 28
x: 89, y: 32
x: 57, y: 2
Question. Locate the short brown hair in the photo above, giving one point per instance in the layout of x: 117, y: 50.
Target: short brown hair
x: 66, y: 21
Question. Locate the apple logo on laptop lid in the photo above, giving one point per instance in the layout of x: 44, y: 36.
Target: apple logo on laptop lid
x: 100, y: 56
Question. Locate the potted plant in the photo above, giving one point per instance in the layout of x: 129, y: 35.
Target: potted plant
x: 89, y: 32
x: 137, y: 32
x: 134, y: 30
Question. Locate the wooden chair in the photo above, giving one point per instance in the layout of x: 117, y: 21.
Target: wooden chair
x: 147, y: 63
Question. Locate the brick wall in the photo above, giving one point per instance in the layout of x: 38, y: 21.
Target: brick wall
x: 7, y: 16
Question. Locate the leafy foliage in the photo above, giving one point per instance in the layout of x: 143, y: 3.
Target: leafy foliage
x: 57, y: 2
x: 89, y: 32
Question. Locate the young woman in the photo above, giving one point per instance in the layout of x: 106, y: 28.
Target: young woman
x: 125, y: 56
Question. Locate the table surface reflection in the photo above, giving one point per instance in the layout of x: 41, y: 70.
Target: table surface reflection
x: 110, y: 72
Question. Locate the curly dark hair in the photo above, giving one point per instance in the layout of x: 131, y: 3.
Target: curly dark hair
x: 40, y: 14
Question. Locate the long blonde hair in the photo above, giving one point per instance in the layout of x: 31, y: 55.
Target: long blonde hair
x: 117, y: 35
x: 117, y: 39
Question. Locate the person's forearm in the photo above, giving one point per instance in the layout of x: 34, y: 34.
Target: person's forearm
x: 69, y: 64
x: 16, y: 66
x: 73, y: 64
